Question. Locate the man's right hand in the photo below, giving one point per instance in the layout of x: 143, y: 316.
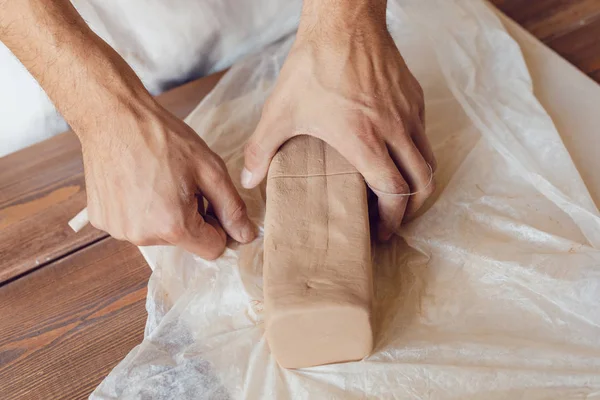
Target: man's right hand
x: 146, y: 172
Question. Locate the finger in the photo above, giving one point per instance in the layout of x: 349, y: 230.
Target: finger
x: 422, y: 142
x: 200, y: 236
x: 260, y: 150
x: 229, y: 208
x: 369, y: 155
x: 391, y: 208
x: 209, y: 219
x: 417, y: 172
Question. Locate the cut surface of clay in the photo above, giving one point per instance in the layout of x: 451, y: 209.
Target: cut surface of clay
x: 317, y: 257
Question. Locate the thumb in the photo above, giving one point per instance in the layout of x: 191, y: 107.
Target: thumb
x: 260, y: 150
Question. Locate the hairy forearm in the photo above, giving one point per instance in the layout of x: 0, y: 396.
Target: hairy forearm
x: 342, y: 17
x: 84, y: 76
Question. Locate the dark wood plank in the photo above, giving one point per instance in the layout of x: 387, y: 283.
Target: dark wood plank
x: 547, y: 19
x: 65, y: 326
x: 570, y: 27
x: 42, y: 187
x: 581, y: 47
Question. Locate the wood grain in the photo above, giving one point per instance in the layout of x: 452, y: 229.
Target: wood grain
x: 65, y: 326
x: 42, y: 187
x: 581, y: 47
x: 570, y: 27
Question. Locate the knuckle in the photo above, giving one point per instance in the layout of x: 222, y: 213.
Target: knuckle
x: 237, y: 211
x: 172, y: 231
x: 397, y: 185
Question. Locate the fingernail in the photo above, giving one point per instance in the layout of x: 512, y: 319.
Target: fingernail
x: 246, y: 178
x: 248, y: 233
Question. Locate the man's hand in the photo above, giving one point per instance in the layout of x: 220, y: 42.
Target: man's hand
x: 146, y: 171
x: 345, y: 82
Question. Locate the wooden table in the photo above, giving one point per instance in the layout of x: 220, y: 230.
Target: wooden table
x: 569, y: 27
x: 72, y: 305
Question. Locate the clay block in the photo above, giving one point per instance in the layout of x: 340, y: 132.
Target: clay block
x: 317, y: 257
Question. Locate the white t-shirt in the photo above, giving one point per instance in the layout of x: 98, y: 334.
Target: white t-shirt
x: 167, y: 42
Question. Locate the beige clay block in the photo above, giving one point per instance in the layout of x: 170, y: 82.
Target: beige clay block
x: 317, y: 257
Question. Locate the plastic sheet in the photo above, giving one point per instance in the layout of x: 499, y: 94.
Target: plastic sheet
x: 492, y: 293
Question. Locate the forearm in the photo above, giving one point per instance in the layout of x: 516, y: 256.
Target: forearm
x: 342, y: 17
x: 84, y: 76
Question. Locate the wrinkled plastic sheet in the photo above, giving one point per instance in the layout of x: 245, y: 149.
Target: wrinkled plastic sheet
x: 492, y: 293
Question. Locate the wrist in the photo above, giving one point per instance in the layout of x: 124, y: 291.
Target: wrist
x: 103, y: 90
x: 340, y: 19
x: 85, y: 78
x: 113, y: 112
